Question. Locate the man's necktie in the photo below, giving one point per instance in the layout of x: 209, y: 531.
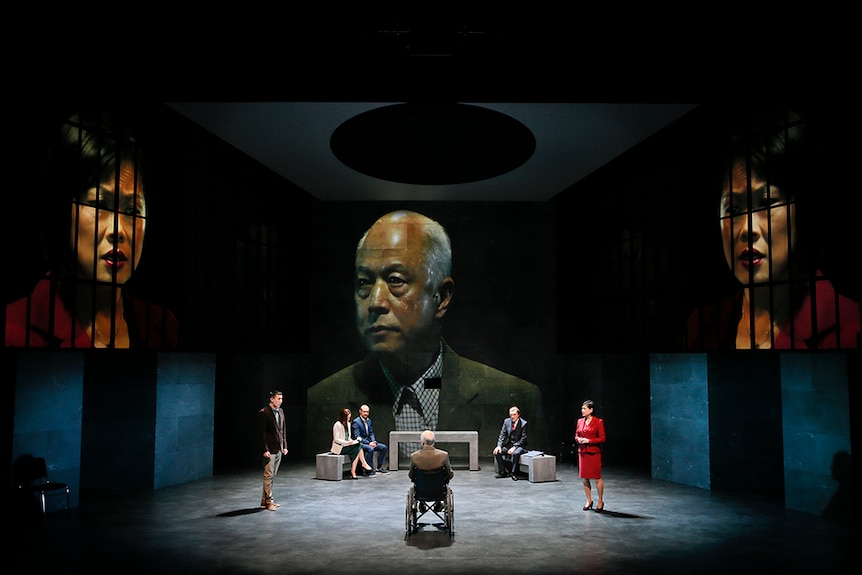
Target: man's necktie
x: 409, y: 398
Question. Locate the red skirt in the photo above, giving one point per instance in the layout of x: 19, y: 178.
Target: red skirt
x: 590, y: 465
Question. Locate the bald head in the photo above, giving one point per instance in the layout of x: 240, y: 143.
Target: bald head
x: 403, y: 286
x: 428, y: 437
x: 404, y: 229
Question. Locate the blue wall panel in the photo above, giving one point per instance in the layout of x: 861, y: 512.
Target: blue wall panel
x: 816, y: 425
x: 679, y: 421
x: 48, y: 415
x: 184, y: 425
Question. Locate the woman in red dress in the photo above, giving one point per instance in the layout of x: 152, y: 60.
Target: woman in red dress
x: 589, y: 435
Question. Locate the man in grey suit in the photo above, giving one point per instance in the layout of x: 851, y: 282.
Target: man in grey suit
x: 411, y: 378
x: 512, y: 441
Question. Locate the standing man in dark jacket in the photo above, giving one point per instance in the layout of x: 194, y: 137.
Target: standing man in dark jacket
x: 512, y: 441
x: 273, y: 444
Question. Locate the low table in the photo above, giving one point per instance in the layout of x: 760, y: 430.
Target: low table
x: 540, y: 468
x: 469, y: 437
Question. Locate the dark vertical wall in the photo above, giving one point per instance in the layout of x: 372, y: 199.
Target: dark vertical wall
x: 745, y: 422
x: 242, y: 385
x: 119, y: 435
x: 639, y: 242
x: 618, y: 384
x: 625, y: 403
x: 245, y: 234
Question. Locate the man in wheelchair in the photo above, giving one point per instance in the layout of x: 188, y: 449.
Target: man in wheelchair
x: 429, y: 458
x: 430, y: 472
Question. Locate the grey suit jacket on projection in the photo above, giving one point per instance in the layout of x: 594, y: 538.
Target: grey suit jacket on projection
x: 473, y: 396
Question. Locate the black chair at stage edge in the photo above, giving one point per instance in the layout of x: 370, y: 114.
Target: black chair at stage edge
x: 31, y: 475
x: 430, y: 492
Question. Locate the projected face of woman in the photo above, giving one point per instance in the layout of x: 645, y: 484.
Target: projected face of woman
x: 759, y: 236
x: 108, y: 228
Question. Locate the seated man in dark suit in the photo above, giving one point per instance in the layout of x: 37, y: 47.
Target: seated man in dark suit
x: 512, y: 441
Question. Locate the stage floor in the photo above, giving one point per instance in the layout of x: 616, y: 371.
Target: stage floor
x: 215, y: 526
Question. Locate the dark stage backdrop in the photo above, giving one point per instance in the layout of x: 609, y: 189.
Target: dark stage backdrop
x: 562, y: 293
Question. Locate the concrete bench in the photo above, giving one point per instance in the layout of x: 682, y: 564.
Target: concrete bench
x: 540, y: 468
x: 330, y: 466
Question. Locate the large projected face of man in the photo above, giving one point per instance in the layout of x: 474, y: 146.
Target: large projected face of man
x: 411, y: 377
x: 403, y: 288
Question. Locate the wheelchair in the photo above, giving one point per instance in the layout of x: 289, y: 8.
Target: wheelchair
x: 430, y: 493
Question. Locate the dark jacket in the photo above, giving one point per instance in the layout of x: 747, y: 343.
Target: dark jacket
x: 271, y: 435
x: 516, y: 437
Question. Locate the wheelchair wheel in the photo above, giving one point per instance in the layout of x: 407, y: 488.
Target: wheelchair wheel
x: 450, y: 512
x: 410, y: 521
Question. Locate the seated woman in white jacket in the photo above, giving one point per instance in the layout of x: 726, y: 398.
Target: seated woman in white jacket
x: 344, y: 444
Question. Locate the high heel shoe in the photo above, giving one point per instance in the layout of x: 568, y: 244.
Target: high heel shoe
x: 588, y: 506
x: 600, y: 507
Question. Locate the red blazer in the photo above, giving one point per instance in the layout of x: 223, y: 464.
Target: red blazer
x: 150, y: 325
x: 714, y: 326
x: 595, y: 432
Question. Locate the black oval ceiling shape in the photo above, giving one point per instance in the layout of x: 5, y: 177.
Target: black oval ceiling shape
x: 432, y: 143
